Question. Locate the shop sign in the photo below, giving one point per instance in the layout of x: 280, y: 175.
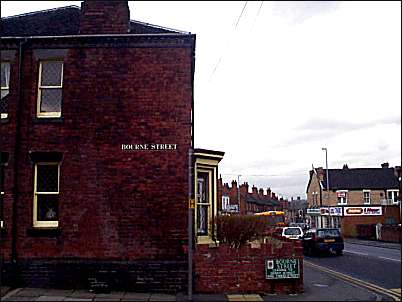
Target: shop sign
x: 324, y: 211
x: 336, y: 211
x: 313, y: 212
x: 283, y: 268
x: 363, y: 211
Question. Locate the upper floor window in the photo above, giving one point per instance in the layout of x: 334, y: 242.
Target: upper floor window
x: 392, y: 196
x: 46, y: 195
x: 5, y: 88
x: 342, y: 197
x: 366, y: 197
x: 50, y: 87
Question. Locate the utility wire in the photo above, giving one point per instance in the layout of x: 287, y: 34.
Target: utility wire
x: 258, y: 13
x: 220, y: 58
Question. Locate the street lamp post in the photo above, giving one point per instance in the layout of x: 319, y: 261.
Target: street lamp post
x: 326, y: 164
x: 238, y: 192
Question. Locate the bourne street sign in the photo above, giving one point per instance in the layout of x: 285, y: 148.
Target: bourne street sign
x: 283, y: 268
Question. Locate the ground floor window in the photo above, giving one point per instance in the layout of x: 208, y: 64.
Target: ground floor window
x: 203, y: 203
x: 46, y: 195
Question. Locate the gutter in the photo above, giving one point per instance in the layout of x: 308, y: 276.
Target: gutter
x: 17, y: 148
x: 164, y: 35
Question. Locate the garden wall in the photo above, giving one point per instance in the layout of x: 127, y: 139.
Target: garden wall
x: 221, y: 269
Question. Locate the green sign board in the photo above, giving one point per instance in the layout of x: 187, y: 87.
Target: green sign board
x: 284, y: 268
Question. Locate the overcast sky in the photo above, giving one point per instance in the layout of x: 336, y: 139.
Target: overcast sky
x: 277, y: 81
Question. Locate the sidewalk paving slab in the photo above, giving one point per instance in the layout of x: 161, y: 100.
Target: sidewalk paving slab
x: 50, y: 298
x: 130, y: 296
x: 181, y: 297
x: 162, y: 297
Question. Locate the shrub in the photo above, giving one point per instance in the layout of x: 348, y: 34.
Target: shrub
x: 238, y: 230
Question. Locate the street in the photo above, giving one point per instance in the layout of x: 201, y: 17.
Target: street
x: 376, y: 265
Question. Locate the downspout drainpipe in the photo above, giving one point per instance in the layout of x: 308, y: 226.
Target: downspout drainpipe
x: 17, y: 148
x: 191, y: 173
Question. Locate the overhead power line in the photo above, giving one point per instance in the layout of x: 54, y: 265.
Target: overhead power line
x: 235, y: 28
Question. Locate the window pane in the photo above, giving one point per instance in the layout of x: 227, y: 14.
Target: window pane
x: 51, y: 100
x: 51, y: 73
x: 47, y: 207
x: 47, y: 178
x: 3, y: 103
x: 5, y: 74
x: 202, y: 220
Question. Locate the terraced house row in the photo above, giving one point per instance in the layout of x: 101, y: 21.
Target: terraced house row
x: 77, y: 84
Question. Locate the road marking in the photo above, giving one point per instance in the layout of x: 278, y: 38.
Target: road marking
x: 389, y: 259
x: 396, y: 290
x: 358, y: 253
x: 394, y: 295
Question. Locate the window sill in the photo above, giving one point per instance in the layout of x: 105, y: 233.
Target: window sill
x: 43, y: 232
x: 47, y: 120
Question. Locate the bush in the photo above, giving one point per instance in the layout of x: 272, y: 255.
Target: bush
x: 238, y: 230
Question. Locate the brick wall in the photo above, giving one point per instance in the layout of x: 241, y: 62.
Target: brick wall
x: 349, y: 223
x: 223, y: 269
x: 114, y: 205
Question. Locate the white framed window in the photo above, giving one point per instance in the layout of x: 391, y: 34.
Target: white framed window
x: 46, y: 194
x: 203, y: 210
x: 1, y: 209
x: 342, y: 196
x: 366, y: 196
x: 225, y: 202
x: 5, y: 88
x: 50, y: 86
x: 392, y: 196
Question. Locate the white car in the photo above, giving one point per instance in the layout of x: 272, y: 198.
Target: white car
x: 292, y: 232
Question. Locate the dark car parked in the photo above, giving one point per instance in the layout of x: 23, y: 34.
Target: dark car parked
x: 323, y: 240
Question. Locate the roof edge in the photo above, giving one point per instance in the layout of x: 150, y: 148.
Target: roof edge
x: 41, y: 11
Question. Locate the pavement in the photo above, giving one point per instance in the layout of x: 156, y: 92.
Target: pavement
x: 383, y: 244
x: 318, y: 286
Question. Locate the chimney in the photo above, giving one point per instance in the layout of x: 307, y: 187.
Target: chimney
x: 104, y: 17
x: 385, y: 165
x: 273, y: 196
x: 254, y: 191
x: 269, y: 192
x: 345, y: 167
x: 397, y: 171
x: 261, y: 192
x: 320, y: 173
x: 234, y: 184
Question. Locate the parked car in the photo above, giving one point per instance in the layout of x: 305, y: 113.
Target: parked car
x: 292, y: 232
x: 323, y: 240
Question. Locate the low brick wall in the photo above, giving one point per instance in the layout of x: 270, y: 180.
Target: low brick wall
x: 226, y: 270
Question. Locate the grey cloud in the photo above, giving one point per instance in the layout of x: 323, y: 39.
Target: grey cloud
x: 319, y: 128
x: 299, y: 11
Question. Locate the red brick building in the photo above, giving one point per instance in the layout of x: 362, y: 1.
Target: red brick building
x: 250, y: 202
x: 96, y: 125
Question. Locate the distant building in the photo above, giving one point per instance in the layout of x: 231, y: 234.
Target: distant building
x: 246, y: 202
x: 356, y: 196
x: 297, y: 210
